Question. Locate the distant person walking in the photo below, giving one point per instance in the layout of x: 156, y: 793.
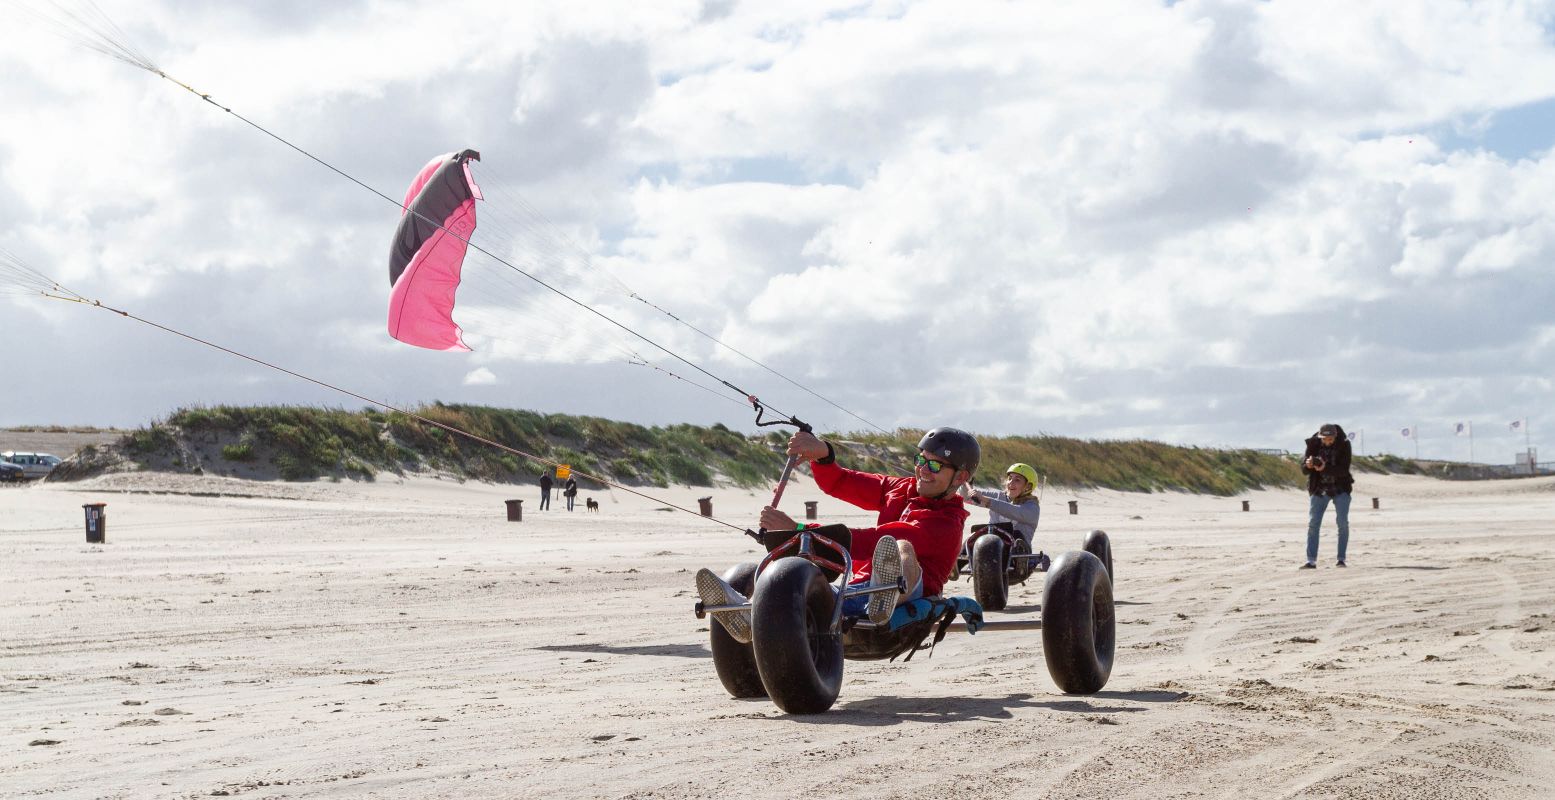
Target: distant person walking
x: 570, y: 491
x: 545, y: 490
x: 1327, y: 467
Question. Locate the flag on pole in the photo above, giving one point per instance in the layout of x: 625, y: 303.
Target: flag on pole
x: 1461, y: 429
x: 1517, y: 424
x: 1351, y: 435
x: 1407, y: 433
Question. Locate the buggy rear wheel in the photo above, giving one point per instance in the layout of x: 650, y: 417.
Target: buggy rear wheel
x: 1078, y: 623
x: 1020, y: 569
x: 989, y: 583
x: 798, y: 655
x: 735, y: 662
x: 1097, y: 544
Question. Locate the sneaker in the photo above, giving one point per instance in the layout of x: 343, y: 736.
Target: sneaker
x: 715, y: 591
x: 885, y: 569
x: 1309, y: 565
x: 1340, y: 564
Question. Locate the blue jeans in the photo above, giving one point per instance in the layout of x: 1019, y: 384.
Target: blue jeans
x: 859, y: 606
x: 1341, y: 518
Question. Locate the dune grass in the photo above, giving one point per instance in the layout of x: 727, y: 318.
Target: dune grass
x: 303, y: 443
x: 1126, y: 465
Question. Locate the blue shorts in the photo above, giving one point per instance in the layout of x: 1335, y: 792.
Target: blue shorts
x: 859, y: 606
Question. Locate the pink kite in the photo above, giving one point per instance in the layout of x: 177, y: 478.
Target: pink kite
x: 428, y: 252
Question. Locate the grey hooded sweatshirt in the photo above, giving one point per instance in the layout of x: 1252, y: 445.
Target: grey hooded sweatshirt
x: 1023, y: 516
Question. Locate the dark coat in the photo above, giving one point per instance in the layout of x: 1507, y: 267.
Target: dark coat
x: 545, y: 482
x: 1335, y: 477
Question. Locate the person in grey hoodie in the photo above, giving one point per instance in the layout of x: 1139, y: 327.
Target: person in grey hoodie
x: 1017, y: 504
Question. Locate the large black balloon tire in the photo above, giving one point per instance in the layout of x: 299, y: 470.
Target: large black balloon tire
x: 1097, y: 544
x: 736, y: 662
x: 990, y: 584
x: 1078, y: 623
x: 797, y: 655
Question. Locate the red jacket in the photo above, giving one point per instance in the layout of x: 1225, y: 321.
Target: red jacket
x: 933, y: 526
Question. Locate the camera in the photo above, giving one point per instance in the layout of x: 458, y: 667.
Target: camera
x: 1317, y: 462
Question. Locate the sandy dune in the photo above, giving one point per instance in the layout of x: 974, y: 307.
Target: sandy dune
x: 401, y: 639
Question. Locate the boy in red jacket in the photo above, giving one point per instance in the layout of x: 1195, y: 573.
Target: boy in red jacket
x: 918, y: 532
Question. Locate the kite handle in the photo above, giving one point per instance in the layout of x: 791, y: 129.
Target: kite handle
x: 788, y: 468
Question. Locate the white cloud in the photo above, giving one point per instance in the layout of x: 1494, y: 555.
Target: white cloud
x: 480, y: 376
x: 1208, y: 221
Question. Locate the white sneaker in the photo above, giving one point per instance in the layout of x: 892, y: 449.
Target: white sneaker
x: 715, y: 591
x: 885, y: 568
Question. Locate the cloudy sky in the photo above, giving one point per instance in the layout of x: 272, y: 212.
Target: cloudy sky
x: 1217, y: 223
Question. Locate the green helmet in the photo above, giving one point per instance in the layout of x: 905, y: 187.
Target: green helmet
x: 1025, y: 471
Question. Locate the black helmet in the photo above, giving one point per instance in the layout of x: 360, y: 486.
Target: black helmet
x: 956, y: 446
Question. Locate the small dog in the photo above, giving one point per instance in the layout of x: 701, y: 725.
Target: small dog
x: 591, y: 504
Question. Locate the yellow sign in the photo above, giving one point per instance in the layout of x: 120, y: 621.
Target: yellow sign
x: 563, y: 471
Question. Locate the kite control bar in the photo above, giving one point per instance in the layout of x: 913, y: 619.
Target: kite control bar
x: 788, y: 469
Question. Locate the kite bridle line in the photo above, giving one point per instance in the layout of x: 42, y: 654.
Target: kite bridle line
x: 72, y: 297
x: 736, y: 351
x: 638, y: 361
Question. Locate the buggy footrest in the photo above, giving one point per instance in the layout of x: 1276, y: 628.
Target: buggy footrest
x: 912, y: 623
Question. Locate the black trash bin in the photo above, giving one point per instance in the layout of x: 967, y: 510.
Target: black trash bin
x: 809, y: 508
x: 707, y: 505
x: 1074, y: 506
x: 96, y: 523
x: 515, y: 510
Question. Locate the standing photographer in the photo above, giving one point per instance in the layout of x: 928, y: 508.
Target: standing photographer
x: 1327, y: 467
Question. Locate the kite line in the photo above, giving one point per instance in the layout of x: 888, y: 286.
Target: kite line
x: 30, y: 281
x: 91, y: 28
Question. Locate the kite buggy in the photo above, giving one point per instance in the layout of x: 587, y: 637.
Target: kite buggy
x: 997, y: 557
x: 800, y: 635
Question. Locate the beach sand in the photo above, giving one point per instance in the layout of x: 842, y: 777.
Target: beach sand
x: 402, y: 639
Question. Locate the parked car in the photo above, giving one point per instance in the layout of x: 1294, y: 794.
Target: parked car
x: 34, y: 465
x: 11, y: 473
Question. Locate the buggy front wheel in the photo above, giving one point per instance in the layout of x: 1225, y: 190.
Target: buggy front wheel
x: 798, y: 655
x: 990, y: 584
